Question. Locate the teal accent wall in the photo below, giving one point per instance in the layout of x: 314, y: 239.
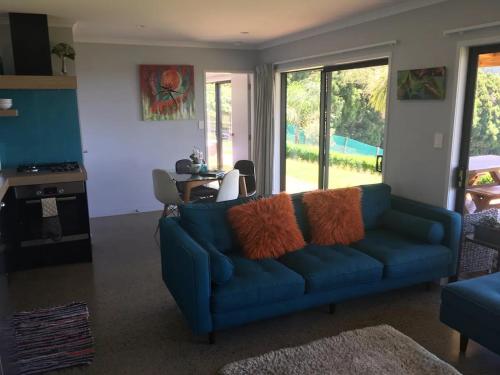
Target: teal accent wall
x: 46, y: 130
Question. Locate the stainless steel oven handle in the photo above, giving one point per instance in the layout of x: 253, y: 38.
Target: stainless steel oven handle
x: 62, y: 199
x: 48, y: 241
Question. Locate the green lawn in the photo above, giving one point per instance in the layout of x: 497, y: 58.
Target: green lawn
x: 303, y: 175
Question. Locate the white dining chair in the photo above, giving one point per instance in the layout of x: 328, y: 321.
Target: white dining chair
x: 230, y: 186
x: 165, y: 190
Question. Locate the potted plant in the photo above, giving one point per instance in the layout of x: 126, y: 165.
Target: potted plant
x: 63, y: 51
x: 196, y: 161
x: 488, y: 230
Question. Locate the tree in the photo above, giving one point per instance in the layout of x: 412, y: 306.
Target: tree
x: 485, y: 137
x: 302, y: 109
x: 354, y: 112
x: 357, y: 99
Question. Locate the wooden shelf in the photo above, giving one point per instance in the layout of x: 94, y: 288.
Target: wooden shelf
x: 8, y: 113
x: 37, y: 82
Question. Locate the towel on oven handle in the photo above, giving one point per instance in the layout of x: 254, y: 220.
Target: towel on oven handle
x: 51, y: 225
x: 49, y: 207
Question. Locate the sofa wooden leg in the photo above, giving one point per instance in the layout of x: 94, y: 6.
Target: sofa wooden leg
x: 331, y: 308
x: 464, y: 340
x: 211, y: 338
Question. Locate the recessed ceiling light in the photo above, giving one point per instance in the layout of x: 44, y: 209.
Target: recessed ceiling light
x: 140, y: 26
x: 244, y: 32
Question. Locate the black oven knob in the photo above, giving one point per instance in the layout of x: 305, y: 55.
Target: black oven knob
x: 60, y: 191
x: 38, y: 192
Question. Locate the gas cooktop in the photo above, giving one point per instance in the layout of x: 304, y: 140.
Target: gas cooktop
x: 69, y: 166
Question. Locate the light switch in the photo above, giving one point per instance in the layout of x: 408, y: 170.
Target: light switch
x: 201, y: 124
x: 438, y: 140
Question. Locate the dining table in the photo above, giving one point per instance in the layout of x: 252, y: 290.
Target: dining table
x: 191, y: 181
x: 484, y: 196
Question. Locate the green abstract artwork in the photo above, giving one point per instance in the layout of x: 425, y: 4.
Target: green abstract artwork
x: 422, y: 84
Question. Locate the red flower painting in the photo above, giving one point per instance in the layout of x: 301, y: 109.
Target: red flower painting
x: 167, y: 92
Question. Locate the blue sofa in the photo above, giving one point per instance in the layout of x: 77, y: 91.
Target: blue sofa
x: 216, y: 287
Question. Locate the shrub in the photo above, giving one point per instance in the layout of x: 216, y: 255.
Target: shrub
x: 310, y: 153
x: 485, y: 179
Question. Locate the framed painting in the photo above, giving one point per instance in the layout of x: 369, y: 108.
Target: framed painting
x: 167, y: 92
x: 422, y: 84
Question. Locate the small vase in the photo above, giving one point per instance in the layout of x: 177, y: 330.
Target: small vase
x: 64, y: 69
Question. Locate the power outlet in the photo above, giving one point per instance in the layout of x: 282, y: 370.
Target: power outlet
x: 438, y: 140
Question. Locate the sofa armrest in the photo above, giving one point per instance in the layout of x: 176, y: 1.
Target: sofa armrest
x: 451, y: 221
x: 185, y: 271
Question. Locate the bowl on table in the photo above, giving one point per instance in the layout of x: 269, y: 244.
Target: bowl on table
x: 195, y: 168
x: 5, y: 103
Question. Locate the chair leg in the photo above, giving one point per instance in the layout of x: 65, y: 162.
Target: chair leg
x: 331, y: 308
x: 171, y: 210
x: 211, y: 338
x: 464, y: 340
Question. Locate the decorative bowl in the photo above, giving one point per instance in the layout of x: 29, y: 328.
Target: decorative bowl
x: 5, y: 103
x: 195, y: 168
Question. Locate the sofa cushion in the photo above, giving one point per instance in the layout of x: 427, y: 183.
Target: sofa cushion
x: 476, y: 299
x: 266, y: 228
x: 327, y: 267
x: 255, y: 283
x: 208, y: 222
x: 412, y: 226
x: 335, y: 216
x: 376, y: 199
x: 403, y: 256
x: 221, y: 266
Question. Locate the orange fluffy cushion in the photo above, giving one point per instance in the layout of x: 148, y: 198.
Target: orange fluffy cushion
x: 266, y: 228
x: 335, y: 216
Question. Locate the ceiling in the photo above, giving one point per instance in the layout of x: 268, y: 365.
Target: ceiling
x: 229, y: 23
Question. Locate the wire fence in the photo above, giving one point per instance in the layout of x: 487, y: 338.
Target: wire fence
x: 338, y: 143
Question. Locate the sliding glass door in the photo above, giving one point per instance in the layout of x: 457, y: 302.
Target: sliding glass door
x: 333, y: 126
x: 355, y: 123
x: 478, y: 176
x: 302, y: 145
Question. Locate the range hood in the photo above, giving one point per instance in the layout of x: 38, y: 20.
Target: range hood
x: 30, y: 44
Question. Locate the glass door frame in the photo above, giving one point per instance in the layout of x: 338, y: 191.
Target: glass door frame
x: 461, y: 173
x: 325, y: 108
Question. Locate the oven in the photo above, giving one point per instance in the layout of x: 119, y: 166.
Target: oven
x: 62, y: 238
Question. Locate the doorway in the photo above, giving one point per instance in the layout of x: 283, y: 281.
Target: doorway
x: 333, y: 126
x: 228, y: 118
x: 478, y: 175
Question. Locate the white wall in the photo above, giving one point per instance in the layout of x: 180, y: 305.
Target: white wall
x: 413, y: 167
x: 121, y: 148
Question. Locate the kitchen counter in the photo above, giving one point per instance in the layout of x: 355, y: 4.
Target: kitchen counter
x: 11, y: 178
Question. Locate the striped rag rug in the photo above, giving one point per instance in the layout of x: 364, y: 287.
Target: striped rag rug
x: 53, y: 338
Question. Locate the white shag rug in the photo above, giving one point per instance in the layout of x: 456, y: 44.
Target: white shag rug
x: 380, y: 350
